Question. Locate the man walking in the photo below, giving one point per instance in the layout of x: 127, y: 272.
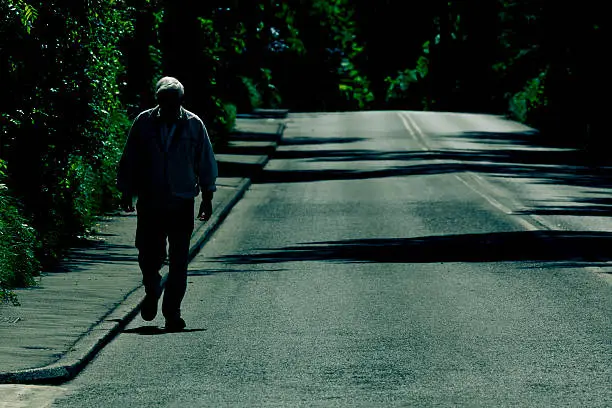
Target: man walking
x: 167, y: 160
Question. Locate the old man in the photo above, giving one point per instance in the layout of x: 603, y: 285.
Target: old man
x: 167, y: 161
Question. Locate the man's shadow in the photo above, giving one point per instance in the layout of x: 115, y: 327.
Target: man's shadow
x: 156, y: 331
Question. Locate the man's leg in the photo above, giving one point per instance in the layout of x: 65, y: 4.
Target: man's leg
x: 180, y: 228
x: 151, y: 244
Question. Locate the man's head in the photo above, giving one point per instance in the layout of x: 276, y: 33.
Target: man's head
x: 169, y: 93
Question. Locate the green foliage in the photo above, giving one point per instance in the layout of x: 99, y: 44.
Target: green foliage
x: 8, y: 296
x: 27, y: 13
x: 337, y: 18
x: 108, y: 123
x: 353, y: 85
x: 270, y: 96
x: 63, y: 121
x: 526, y: 104
x: 317, y: 65
x: 254, y: 96
x: 229, y: 119
x: 18, y: 263
x: 401, y: 87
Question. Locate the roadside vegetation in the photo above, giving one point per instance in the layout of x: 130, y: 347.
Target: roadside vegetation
x: 75, y: 73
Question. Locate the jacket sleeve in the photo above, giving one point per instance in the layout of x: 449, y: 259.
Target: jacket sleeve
x: 126, y: 172
x: 207, y: 164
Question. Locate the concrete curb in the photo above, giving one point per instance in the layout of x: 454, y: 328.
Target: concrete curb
x: 86, y: 348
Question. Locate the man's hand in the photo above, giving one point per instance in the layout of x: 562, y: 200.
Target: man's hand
x: 127, y: 203
x: 206, y: 209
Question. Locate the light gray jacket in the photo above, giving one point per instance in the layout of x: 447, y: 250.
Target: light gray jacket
x: 149, y: 171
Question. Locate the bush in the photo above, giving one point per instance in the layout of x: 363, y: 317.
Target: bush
x: 230, y: 116
x: 255, y: 98
x: 526, y: 105
x: 18, y: 264
x: 63, y: 121
x: 221, y: 123
x: 406, y: 90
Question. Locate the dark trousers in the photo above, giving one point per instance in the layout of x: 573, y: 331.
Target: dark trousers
x: 159, y: 226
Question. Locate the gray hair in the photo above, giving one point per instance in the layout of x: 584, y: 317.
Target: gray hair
x: 170, y: 84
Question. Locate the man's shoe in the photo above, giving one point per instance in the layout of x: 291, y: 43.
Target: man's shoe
x: 148, y: 310
x: 175, y: 324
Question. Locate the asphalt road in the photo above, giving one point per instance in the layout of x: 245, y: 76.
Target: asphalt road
x: 361, y: 270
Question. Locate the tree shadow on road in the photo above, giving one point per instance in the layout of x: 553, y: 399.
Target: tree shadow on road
x: 541, y: 246
x: 305, y: 140
x: 529, y: 155
x: 96, y: 254
x: 301, y: 176
x: 524, y: 155
x: 255, y: 136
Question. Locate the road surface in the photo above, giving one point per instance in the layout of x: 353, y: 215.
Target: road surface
x: 379, y: 261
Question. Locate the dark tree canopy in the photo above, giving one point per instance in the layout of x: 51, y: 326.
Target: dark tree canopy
x: 75, y: 73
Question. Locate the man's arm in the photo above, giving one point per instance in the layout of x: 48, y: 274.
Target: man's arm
x: 207, y: 168
x: 207, y: 175
x: 127, y: 168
